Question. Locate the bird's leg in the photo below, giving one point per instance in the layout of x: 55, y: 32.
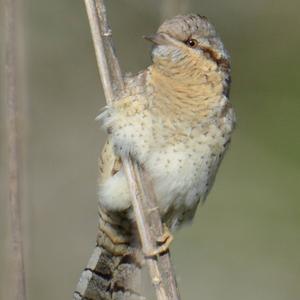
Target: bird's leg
x: 165, y: 240
x: 162, y: 243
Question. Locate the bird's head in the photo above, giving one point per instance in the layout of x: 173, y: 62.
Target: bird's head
x: 187, y: 39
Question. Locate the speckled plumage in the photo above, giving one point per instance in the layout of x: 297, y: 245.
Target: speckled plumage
x: 174, y: 118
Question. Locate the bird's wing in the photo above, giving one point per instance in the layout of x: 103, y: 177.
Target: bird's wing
x: 128, y: 123
x: 122, y: 110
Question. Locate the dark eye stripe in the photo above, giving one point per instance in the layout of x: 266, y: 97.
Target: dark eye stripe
x: 220, y: 61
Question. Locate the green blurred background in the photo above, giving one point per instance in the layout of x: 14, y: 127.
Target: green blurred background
x: 245, y: 241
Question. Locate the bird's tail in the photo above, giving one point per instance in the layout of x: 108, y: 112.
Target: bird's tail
x: 111, y: 273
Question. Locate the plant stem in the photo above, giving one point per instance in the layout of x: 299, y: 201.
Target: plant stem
x: 160, y: 267
x: 14, y: 199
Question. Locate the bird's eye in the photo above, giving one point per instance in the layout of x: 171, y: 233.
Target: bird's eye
x: 191, y: 43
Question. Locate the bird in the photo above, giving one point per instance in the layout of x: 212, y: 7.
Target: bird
x: 175, y: 120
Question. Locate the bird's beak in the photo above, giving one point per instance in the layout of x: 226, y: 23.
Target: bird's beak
x: 158, y: 39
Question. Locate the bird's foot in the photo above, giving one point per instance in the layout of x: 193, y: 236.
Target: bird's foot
x: 162, y: 243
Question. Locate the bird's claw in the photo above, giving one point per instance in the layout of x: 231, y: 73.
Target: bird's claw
x: 163, y: 243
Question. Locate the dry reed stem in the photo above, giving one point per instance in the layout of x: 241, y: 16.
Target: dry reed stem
x: 14, y: 200
x: 160, y: 267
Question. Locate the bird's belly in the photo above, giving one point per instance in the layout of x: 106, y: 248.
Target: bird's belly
x: 183, y: 173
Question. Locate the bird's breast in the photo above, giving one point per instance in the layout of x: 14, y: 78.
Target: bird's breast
x: 188, y: 100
